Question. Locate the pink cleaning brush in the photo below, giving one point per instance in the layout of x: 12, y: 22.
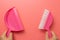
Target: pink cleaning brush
x: 46, y: 21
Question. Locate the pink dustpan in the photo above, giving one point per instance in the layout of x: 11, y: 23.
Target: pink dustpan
x: 49, y: 23
x: 46, y: 21
x: 12, y: 21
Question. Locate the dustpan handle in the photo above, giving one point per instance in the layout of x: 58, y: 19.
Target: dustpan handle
x: 8, y: 32
x: 49, y: 34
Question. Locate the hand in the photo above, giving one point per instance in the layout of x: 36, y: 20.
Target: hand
x: 52, y: 38
x: 3, y: 36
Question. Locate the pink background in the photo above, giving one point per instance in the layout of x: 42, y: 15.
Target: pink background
x: 31, y: 12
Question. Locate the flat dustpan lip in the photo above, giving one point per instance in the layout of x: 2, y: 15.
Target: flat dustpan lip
x: 43, y: 19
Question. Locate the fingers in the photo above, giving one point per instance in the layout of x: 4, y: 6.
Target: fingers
x: 47, y: 36
x: 53, y: 36
x: 3, y: 36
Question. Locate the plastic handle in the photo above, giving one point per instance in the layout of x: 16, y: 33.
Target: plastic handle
x: 49, y: 34
x: 8, y: 32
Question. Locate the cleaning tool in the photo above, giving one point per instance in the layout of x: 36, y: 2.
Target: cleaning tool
x: 46, y: 22
x: 13, y: 21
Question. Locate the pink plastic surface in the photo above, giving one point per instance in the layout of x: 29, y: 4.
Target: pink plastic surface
x: 48, y: 24
x: 12, y: 21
